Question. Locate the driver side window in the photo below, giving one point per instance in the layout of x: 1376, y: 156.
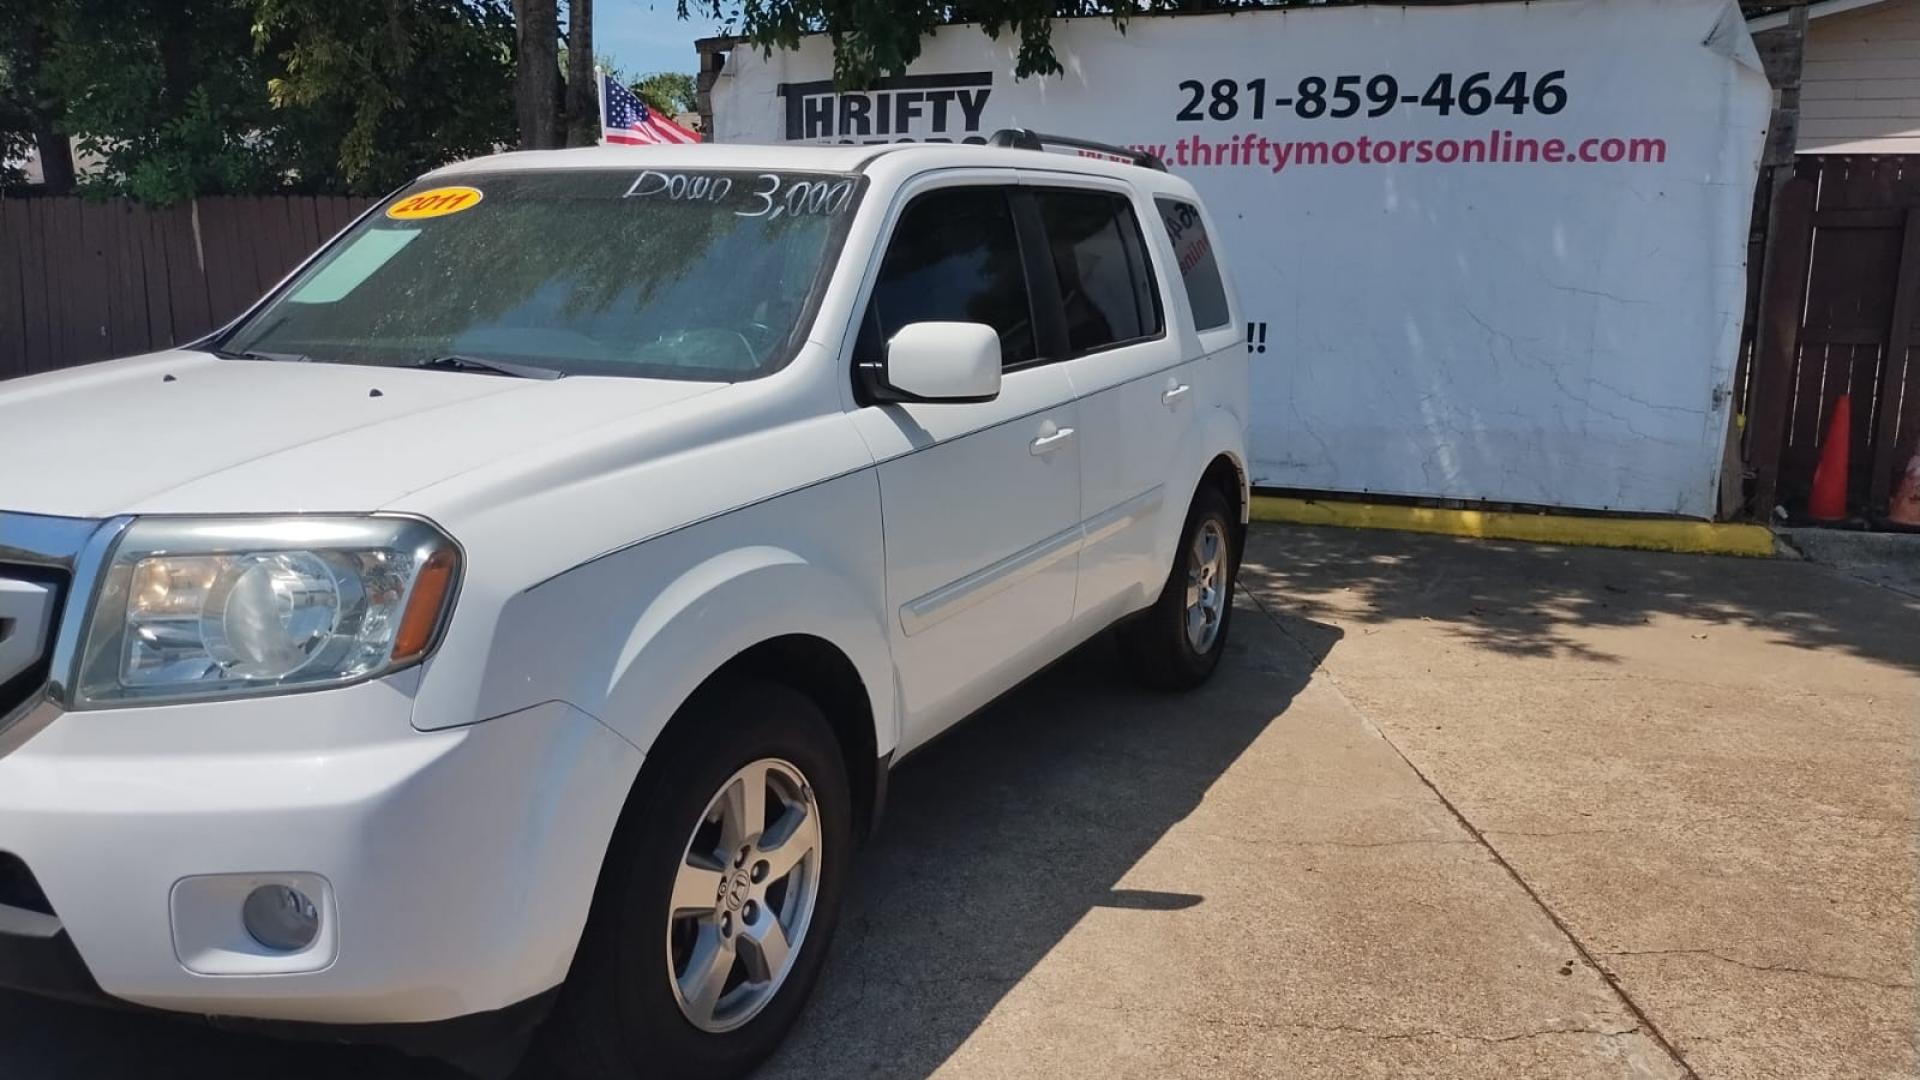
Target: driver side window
x: 954, y: 257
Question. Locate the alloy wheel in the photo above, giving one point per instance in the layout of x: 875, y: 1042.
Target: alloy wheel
x: 744, y: 895
x: 1207, y: 586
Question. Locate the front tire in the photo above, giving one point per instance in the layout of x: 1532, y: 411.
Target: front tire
x: 718, y: 899
x: 1176, y: 643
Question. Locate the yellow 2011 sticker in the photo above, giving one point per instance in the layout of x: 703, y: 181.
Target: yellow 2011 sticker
x: 435, y: 202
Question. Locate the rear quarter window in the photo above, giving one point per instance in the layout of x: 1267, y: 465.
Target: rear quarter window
x: 1199, y: 264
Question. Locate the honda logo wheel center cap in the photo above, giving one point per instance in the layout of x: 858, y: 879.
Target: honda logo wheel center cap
x: 735, y: 891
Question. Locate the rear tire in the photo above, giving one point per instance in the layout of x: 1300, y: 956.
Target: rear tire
x: 1176, y: 643
x: 664, y: 986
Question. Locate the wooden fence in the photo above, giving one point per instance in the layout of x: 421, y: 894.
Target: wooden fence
x: 82, y: 280
x: 1839, y: 313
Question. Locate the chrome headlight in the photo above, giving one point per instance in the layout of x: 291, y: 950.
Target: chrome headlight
x: 219, y: 607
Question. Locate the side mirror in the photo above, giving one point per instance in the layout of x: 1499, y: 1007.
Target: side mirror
x: 937, y: 361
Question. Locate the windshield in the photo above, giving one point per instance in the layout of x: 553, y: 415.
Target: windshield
x: 657, y: 274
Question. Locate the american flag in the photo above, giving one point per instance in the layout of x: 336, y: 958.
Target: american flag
x: 626, y: 120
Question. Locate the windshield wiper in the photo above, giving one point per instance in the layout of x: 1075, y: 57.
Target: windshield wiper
x: 283, y: 357
x: 463, y: 362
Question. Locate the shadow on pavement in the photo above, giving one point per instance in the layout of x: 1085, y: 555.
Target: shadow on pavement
x: 1003, y: 835
x: 999, y: 838
x: 42, y: 1040
x: 1532, y: 600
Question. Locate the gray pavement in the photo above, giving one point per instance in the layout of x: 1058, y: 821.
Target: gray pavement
x: 1880, y: 558
x: 1704, y: 768
x: 1451, y: 809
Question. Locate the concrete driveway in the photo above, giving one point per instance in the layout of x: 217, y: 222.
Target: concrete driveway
x: 1450, y: 809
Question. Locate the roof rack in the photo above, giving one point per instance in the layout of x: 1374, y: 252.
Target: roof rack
x: 1029, y: 139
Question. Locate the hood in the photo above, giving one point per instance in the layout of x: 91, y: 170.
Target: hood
x: 187, y: 432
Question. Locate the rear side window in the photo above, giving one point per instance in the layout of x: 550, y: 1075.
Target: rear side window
x: 954, y: 257
x: 1100, y: 260
x: 1199, y: 269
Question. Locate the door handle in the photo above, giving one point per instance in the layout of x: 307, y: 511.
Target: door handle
x: 1047, y: 444
x: 1175, y: 394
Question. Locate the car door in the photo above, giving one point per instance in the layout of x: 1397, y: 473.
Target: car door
x: 980, y: 501
x: 1134, y: 383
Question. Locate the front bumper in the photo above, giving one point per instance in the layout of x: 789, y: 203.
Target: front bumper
x: 458, y: 864
x: 38, y: 958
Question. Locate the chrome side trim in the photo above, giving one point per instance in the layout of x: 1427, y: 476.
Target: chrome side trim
x: 955, y: 597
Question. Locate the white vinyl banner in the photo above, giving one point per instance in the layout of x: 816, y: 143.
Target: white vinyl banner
x: 1491, y: 251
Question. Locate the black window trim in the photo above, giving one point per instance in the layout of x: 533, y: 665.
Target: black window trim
x: 1043, y: 290
x: 1049, y: 282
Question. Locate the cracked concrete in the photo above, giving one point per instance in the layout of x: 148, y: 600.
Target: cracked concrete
x: 1704, y: 768
x: 1392, y: 1035
x: 1450, y: 809
x: 1750, y: 966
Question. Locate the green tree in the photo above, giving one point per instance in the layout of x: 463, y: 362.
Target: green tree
x: 30, y: 108
x: 178, y: 98
x: 874, y: 38
x: 165, y: 94
x: 370, y: 93
x: 583, y: 91
x: 536, y: 74
x: 670, y: 92
x: 556, y: 94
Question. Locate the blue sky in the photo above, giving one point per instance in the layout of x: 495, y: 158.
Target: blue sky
x: 643, y: 36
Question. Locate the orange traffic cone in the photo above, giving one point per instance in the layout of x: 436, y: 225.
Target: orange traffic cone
x: 1905, y: 508
x: 1829, y: 499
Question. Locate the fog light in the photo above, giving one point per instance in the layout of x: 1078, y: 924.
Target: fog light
x: 280, y: 917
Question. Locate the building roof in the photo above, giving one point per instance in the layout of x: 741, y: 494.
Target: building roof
x: 1777, y: 19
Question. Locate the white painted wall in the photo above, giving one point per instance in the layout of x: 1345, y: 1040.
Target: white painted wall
x: 1860, y: 90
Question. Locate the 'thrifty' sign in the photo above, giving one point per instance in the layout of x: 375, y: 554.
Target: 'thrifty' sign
x: 926, y: 108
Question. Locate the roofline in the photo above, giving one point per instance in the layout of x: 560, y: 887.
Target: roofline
x: 1815, y: 10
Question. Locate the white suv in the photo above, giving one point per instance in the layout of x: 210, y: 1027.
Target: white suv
x: 515, y: 615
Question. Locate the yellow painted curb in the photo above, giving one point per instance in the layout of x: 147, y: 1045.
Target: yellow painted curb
x: 1652, y: 534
